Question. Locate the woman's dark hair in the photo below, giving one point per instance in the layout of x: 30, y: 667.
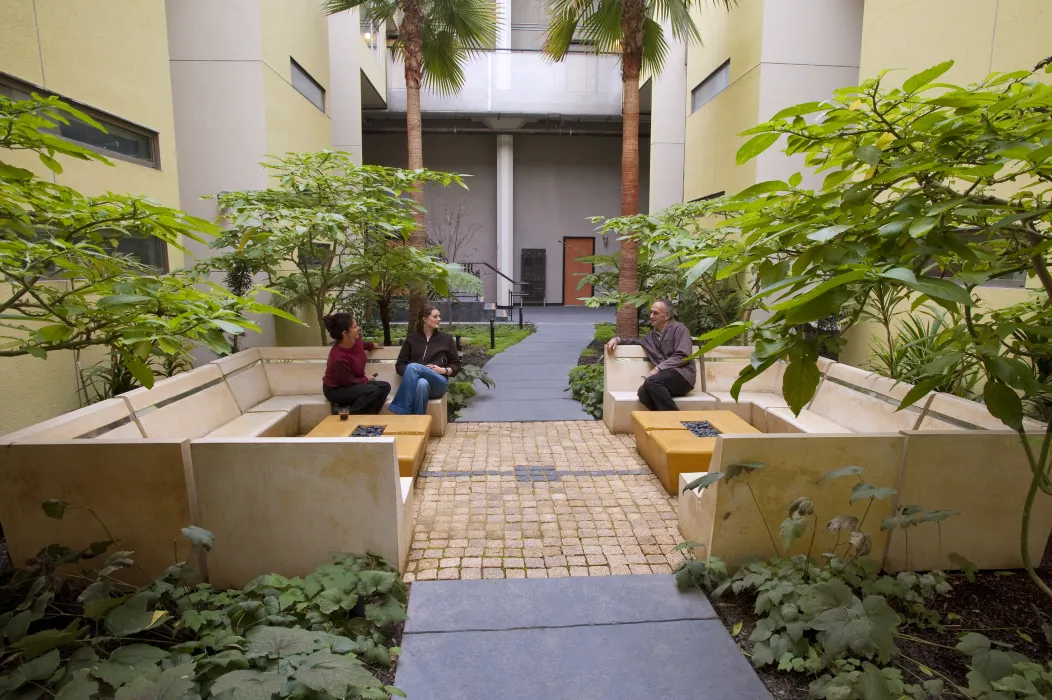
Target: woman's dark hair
x: 426, y: 311
x: 337, y: 323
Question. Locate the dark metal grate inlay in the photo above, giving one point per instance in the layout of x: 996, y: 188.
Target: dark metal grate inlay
x: 701, y: 428
x: 368, y: 431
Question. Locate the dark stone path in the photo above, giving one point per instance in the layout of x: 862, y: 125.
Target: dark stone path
x: 615, y: 638
x: 531, y: 376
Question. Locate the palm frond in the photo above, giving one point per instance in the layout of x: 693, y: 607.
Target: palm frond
x: 331, y: 7
x: 559, y: 35
x: 602, y: 27
x: 677, y: 14
x: 655, y: 47
x: 473, y: 23
x: 442, y: 61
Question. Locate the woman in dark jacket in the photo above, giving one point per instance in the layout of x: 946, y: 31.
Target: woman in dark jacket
x: 345, y: 383
x: 428, y: 359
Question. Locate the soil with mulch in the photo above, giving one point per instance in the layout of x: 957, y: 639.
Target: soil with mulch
x: 1002, y: 605
x: 594, y: 357
x: 474, y: 355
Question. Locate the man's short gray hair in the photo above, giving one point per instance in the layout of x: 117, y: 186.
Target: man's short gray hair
x: 669, y: 306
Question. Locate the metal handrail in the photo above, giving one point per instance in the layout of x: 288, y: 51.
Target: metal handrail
x: 470, y: 267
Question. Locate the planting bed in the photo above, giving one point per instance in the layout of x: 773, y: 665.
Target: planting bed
x: 1002, y: 605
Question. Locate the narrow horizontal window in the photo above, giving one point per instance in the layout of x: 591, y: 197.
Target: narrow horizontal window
x: 148, y: 250
x: 121, y: 139
x: 307, y: 86
x: 713, y: 85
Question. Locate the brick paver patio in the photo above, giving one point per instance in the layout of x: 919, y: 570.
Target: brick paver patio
x: 539, y: 500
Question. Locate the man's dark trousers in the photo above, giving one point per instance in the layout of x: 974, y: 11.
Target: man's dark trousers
x: 657, y: 390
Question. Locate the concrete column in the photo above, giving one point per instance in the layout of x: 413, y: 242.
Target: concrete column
x: 505, y: 234
x: 345, y: 83
x: 668, y: 124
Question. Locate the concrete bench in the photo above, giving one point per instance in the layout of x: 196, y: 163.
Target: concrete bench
x: 935, y: 469
x: 147, y: 463
x: 623, y: 373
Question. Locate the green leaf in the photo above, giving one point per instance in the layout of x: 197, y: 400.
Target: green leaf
x: 919, y: 391
x: 336, y: 675
x: 39, y: 669
x: 199, y: 537
x: 249, y: 685
x: 117, y: 675
x: 280, y: 642
x: 18, y: 626
x: 818, y: 290
x: 383, y: 615
x: 718, y: 337
x: 44, y: 642
x: 52, y: 164
x: 837, y: 473
x: 791, y: 530
x: 922, y: 225
x: 761, y: 188
x: 861, y: 491
x: 80, y: 688
x: 177, y: 683
x: 800, y: 382
x: 703, y: 482
x: 55, y: 509
x: 925, y: 77
x: 869, y: 154
x: 122, y: 300
x: 133, y: 617
x: 755, y: 146
x: 941, y: 289
x: 138, y: 654
x: 370, y: 582
x: 1004, y: 404
x: 824, y: 234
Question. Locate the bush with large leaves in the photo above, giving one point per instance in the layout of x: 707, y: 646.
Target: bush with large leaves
x: 328, y: 233
x: 72, y: 627
x: 930, y: 188
x: 62, y: 285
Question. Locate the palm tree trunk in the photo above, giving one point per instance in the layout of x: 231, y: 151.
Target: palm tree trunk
x: 412, y: 38
x: 628, y: 279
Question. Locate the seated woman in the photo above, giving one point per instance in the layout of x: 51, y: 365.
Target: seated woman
x: 428, y: 359
x: 345, y: 383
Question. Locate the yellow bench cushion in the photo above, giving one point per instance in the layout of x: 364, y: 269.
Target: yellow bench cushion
x: 332, y: 426
x: 723, y: 421
x: 670, y: 449
x: 410, y: 450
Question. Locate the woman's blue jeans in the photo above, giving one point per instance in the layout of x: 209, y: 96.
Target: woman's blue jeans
x: 419, y: 384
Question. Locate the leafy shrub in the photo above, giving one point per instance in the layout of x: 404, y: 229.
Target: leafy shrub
x: 586, y: 386
x: 463, y: 389
x: 604, y: 332
x: 83, y: 634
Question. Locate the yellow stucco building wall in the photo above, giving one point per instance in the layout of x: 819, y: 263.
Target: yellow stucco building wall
x: 112, y: 57
x: 980, y: 36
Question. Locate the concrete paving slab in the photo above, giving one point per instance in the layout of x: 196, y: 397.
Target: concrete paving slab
x: 454, y: 606
x: 683, y: 659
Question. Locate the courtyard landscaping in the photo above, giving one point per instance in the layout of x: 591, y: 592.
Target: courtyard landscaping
x: 869, y: 533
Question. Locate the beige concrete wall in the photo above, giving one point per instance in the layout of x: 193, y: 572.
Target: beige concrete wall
x: 282, y: 505
x: 781, y: 52
x: 981, y: 36
x: 112, y: 57
x: 139, y: 489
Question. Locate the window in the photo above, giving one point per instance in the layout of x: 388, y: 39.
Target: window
x: 123, y: 140
x: 710, y: 87
x: 307, y: 86
x: 146, y: 249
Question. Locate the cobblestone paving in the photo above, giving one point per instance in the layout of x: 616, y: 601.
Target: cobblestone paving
x: 539, y: 500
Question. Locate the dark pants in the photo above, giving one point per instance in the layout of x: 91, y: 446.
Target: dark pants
x: 360, y: 399
x: 657, y: 391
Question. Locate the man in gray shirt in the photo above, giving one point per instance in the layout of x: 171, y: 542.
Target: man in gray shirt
x: 667, y: 346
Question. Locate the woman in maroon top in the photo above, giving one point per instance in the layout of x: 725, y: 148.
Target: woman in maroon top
x: 345, y: 383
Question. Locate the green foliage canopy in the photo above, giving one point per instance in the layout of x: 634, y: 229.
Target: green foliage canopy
x: 62, y: 285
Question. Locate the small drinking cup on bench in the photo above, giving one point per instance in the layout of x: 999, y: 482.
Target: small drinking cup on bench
x: 344, y: 412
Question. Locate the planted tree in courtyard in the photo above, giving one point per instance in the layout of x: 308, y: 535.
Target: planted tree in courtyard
x: 931, y: 189
x: 315, y: 237
x: 631, y: 28
x: 62, y: 284
x: 435, y: 40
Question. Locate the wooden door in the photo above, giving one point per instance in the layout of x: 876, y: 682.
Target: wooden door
x: 573, y: 269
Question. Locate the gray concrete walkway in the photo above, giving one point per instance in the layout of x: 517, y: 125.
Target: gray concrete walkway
x: 530, y: 377
x: 614, y: 638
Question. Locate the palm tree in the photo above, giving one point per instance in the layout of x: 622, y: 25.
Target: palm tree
x: 633, y: 29
x: 435, y: 40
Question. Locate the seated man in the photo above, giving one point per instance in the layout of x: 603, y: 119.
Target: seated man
x: 667, y: 346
